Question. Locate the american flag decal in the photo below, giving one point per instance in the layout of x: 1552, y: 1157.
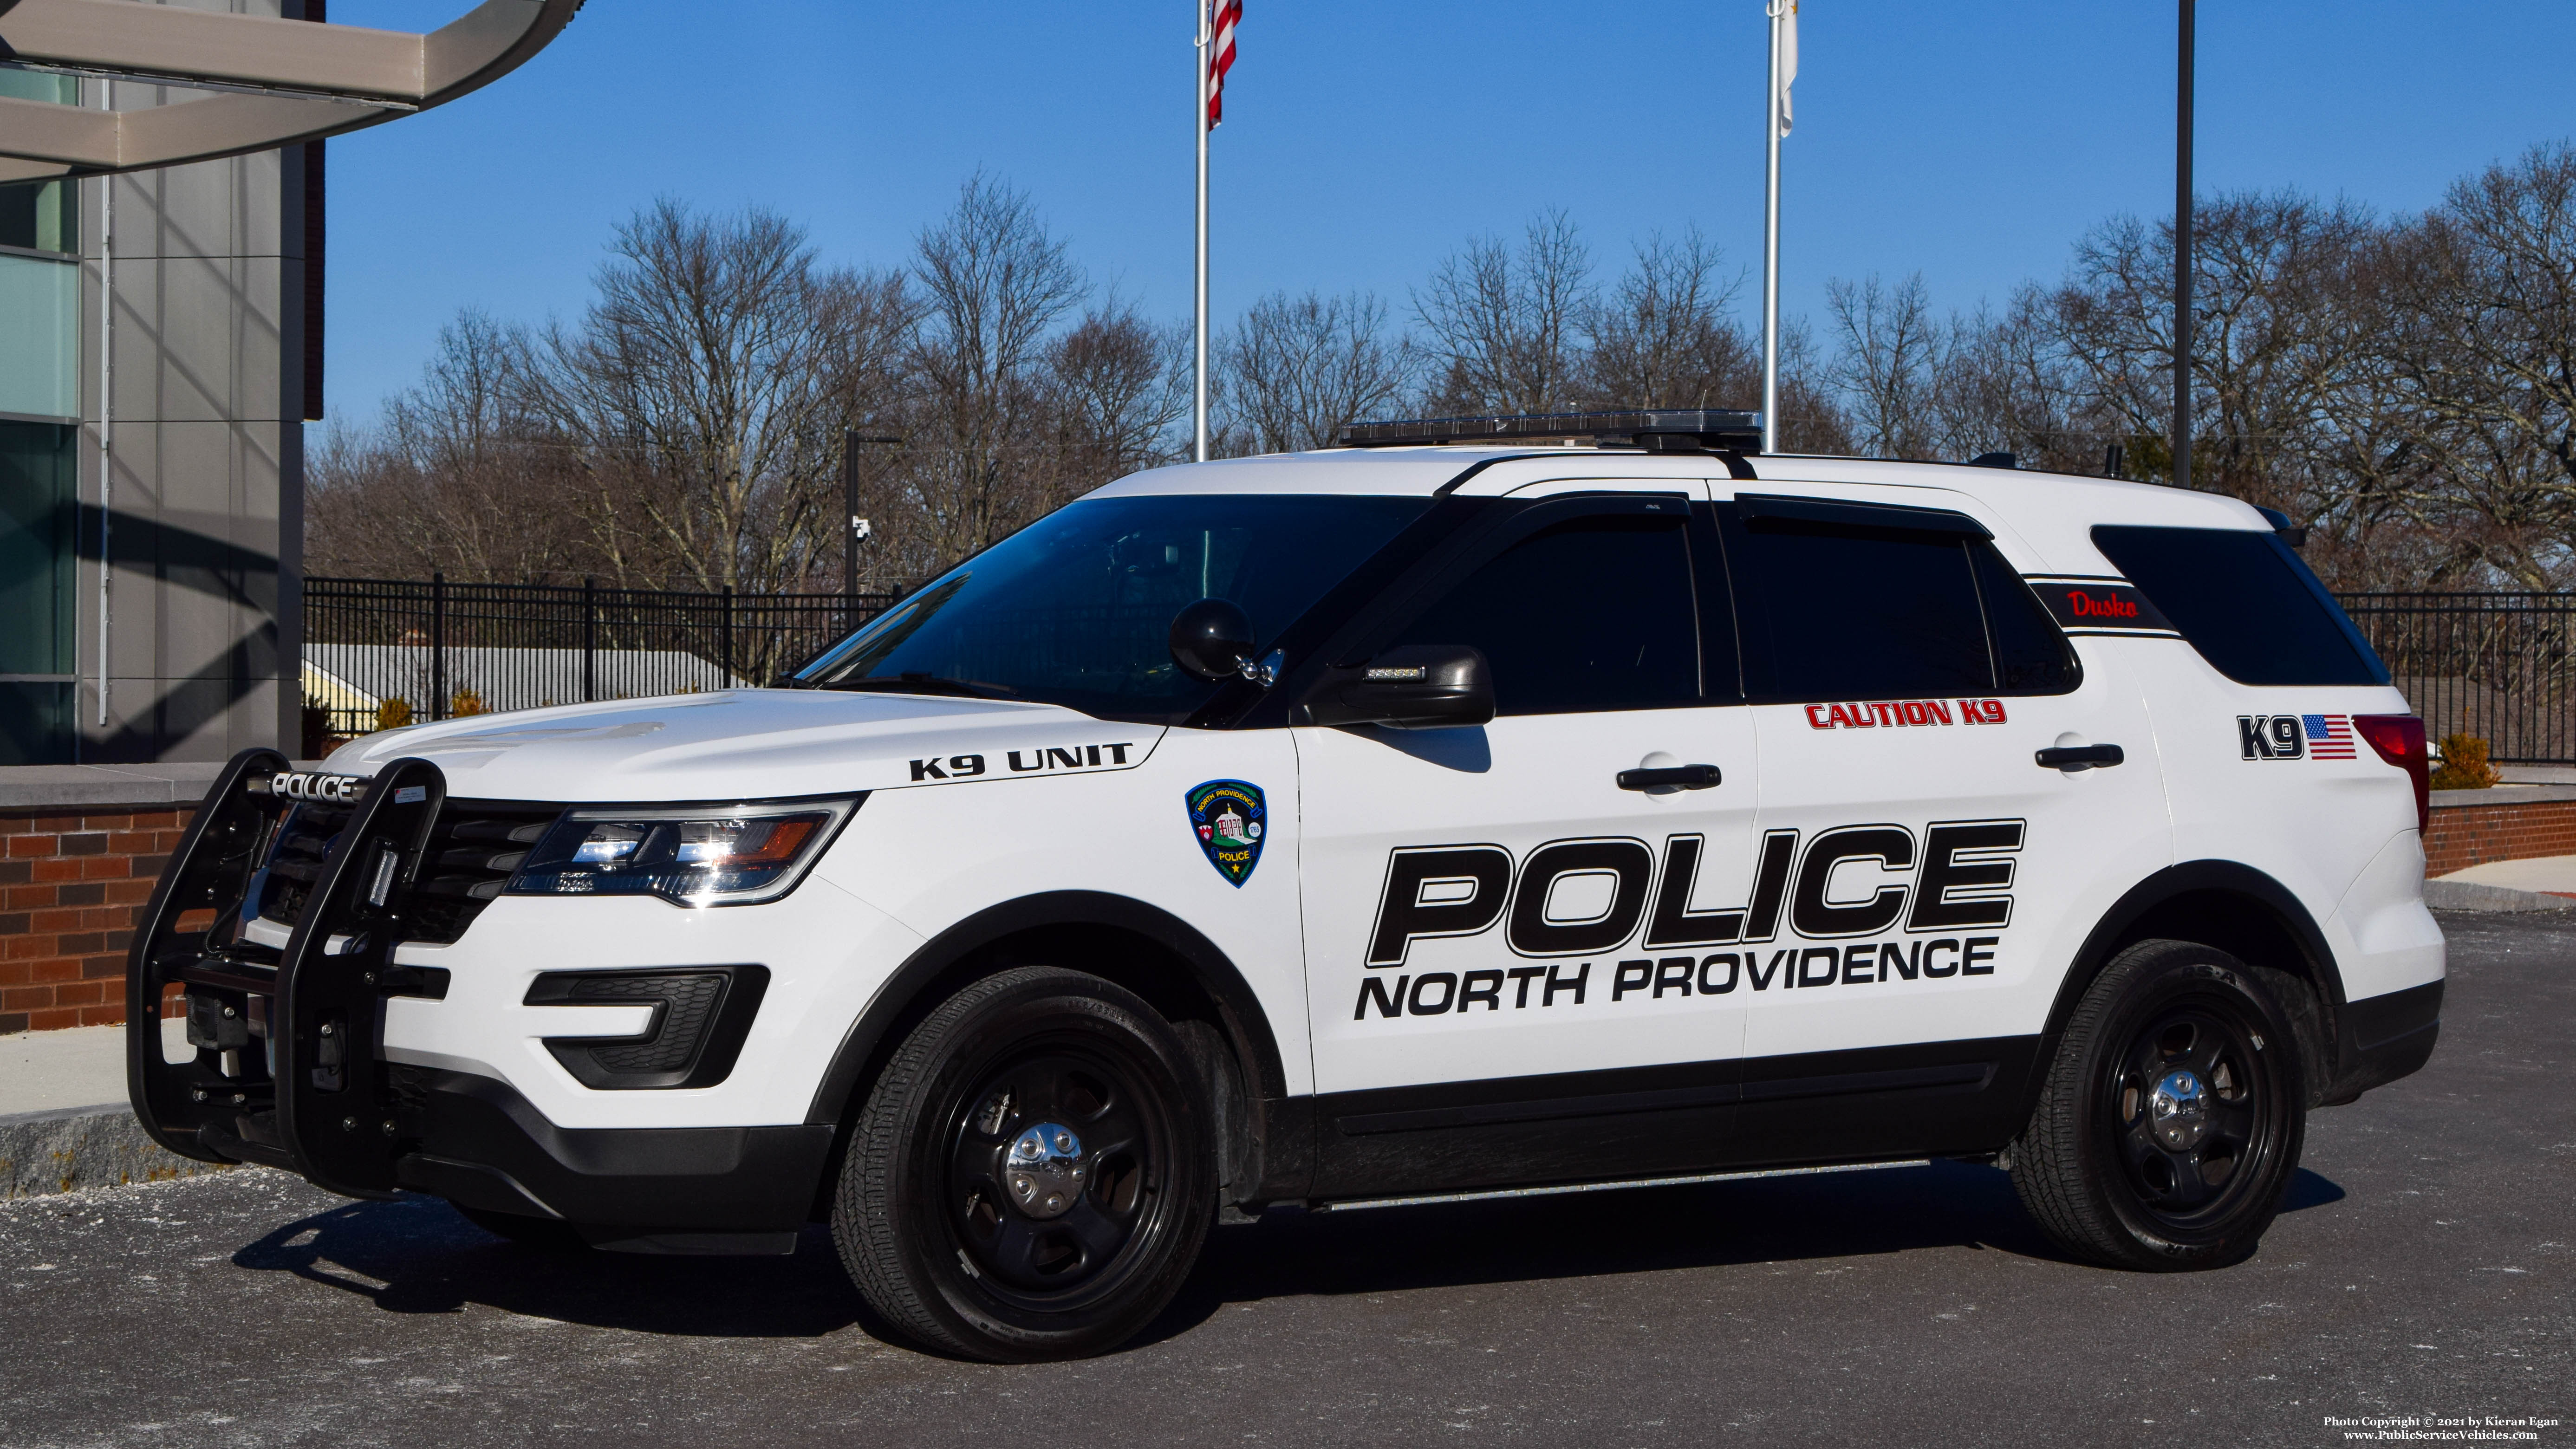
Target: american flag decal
x: 2329, y: 736
x: 1228, y: 13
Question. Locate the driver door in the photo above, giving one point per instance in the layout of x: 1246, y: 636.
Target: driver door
x: 1517, y: 962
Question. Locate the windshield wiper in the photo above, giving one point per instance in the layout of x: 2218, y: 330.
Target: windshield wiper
x: 927, y: 684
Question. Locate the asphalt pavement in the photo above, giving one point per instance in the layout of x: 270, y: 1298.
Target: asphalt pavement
x: 2423, y: 1270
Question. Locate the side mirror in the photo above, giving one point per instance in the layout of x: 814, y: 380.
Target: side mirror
x: 1212, y: 639
x: 1418, y: 687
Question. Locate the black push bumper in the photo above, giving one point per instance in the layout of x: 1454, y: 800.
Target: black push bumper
x: 290, y: 1069
x: 2381, y: 1038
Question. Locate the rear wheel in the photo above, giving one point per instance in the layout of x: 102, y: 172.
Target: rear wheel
x: 2170, y: 1123
x: 1031, y: 1177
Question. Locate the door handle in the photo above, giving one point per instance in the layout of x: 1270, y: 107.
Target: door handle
x: 1687, y: 777
x: 2079, y: 757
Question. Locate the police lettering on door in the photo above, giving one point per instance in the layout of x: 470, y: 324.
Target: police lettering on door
x: 1902, y: 910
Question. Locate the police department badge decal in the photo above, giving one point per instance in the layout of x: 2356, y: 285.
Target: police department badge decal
x: 1229, y: 816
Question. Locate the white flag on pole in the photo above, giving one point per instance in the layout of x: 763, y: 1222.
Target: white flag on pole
x: 1788, y: 61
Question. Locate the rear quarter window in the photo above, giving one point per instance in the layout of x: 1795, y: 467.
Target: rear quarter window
x: 2246, y: 602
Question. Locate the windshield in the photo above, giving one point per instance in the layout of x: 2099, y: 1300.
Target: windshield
x: 1076, y: 609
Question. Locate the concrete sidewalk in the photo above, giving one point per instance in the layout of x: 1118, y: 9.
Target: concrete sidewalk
x: 2547, y: 883
x: 64, y: 1119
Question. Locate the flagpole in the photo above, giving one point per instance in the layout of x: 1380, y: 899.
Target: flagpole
x: 1199, y: 388
x: 2182, y: 251
x: 1771, y: 245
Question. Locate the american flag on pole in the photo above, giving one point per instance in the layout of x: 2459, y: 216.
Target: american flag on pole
x: 2329, y: 736
x: 1229, y: 13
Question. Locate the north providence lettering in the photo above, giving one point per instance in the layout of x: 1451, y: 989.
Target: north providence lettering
x: 1955, y: 878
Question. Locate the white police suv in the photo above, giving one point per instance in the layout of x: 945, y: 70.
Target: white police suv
x: 1486, y: 804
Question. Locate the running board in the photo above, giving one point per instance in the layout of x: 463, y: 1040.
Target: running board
x: 1572, y: 1187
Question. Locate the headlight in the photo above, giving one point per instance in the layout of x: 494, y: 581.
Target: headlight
x: 694, y: 855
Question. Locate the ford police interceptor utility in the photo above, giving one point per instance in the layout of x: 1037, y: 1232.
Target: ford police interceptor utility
x: 1489, y: 804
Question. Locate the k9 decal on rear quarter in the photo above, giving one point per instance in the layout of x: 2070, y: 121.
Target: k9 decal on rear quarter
x: 2294, y: 737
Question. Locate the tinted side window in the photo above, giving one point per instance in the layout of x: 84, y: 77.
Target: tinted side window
x: 1835, y: 613
x: 2031, y: 656
x: 1592, y: 614
x: 2245, y: 602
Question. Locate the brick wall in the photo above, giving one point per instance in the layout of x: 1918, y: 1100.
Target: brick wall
x: 2467, y: 835
x: 71, y: 885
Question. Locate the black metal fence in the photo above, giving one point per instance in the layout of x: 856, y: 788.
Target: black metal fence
x: 377, y: 651
x: 390, y: 651
x: 2498, y: 666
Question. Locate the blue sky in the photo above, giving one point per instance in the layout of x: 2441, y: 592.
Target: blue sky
x: 1971, y: 140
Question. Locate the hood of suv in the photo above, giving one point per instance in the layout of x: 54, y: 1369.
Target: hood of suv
x: 751, y: 744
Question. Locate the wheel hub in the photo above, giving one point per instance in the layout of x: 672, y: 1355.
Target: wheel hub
x: 1044, y: 1170
x: 2178, y: 1110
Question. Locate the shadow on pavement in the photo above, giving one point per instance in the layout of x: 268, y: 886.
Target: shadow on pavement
x: 416, y: 1255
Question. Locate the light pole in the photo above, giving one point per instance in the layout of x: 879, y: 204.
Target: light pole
x: 855, y: 529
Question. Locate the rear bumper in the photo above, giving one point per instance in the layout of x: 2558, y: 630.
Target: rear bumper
x: 649, y: 1189
x: 2381, y: 1038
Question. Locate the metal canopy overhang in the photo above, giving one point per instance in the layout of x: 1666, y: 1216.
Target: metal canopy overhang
x: 276, y: 81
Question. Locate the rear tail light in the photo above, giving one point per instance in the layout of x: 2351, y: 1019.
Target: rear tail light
x: 2399, y: 738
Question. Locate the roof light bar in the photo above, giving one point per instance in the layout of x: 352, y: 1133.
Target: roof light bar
x: 1654, y: 429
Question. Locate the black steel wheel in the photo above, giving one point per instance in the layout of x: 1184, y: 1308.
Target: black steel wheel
x: 2170, y: 1123
x: 1031, y: 1177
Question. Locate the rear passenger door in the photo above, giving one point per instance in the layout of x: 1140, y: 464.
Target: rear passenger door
x: 1924, y: 877
x: 1504, y: 944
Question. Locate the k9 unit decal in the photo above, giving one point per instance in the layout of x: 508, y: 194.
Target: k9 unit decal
x: 1054, y: 759
x: 2294, y: 737
x: 1954, y: 876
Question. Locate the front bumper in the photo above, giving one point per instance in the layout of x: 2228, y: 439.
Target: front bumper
x: 372, y: 1064
x: 636, y: 1189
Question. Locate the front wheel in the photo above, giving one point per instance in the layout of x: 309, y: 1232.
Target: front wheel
x: 1031, y: 1177
x: 2169, y: 1125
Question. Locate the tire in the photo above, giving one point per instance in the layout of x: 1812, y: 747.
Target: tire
x: 971, y: 1230
x: 2123, y: 1175
x: 552, y: 1235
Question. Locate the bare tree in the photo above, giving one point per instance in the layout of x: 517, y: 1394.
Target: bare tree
x: 1504, y: 325
x: 705, y: 390
x: 1114, y: 384
x: 1297, y: 370
x: 994, y: 284
x: 446, y: 482
x: 1664, y: 337
x: 1892, y: 354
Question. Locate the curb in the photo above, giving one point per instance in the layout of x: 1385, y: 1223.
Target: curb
x: 70, y: 1148
x: 2461, y: 895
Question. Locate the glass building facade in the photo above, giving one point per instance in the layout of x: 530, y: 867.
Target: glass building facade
x: 40, y: 405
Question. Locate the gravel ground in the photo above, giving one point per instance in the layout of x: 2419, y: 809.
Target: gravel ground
x: 2423, y: 1269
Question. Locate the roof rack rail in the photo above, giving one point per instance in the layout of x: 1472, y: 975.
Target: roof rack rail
x: 1654, y: 429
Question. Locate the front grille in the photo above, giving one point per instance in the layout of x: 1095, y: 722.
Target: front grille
x: 295, y: 855
x: 473, y: 850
